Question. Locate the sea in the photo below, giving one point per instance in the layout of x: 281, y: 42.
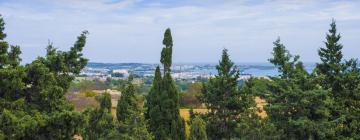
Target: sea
x: 254, y: 69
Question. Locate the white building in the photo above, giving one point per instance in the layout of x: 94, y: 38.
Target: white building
x: 120, y: 73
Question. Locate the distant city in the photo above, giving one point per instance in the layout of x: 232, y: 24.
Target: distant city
x: 179, y: 71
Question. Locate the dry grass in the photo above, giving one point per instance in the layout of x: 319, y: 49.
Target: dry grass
x: 260, y: 103
x: 184, y: 113
x: 81, y: 102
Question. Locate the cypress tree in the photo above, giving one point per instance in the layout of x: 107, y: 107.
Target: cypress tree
x: 153, y: 114
x: 163, y: 99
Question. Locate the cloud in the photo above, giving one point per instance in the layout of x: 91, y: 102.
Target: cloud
x: 123, y: 30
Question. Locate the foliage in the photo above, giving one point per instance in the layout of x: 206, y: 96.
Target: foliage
x: 32, y: 103
x: 132, y: 124
x: 198, y: 129
x: 225, y: 102
x: 99, y: 122
x: 115, y: 82
x: 342, y: 79
x: 163, y: 100
x: 287, y: 65
x: 189, y: 98
x: 296, y: 105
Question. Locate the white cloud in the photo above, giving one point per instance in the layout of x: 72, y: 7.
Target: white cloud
x: 130, y: 26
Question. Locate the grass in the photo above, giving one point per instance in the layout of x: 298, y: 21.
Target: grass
x: 82, y: 101
x: 184, y: 113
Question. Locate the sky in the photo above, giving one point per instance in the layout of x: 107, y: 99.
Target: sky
x: 132, y: 30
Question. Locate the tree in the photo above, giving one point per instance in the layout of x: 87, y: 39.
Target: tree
x: 300, y: 114
x: 224, y: 100
x: 105, y: 101
x: 163, y: 99
x: 198, y: 129
x: 189, y: 98
x: 99, y: 122
x: 296, y: 104
x: 132, y: 124
x: 342, y: 78
x: 32, y: 102
x: 153, y: 106
x: 331, y: 57
x: 286, y: 63
x: 255, y: 125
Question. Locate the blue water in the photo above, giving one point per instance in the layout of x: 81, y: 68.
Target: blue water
x: 255, y: 70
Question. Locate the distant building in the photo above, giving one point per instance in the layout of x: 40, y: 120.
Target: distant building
x: 122, y: 73
x: 96, y: 72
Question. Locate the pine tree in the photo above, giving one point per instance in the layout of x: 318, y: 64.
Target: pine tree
x: 32, y: 102
x: 163, y: 99
x: 331, y: 58
x: 342, y: 78
x: 132, y: 124
x: 3, y: 44
x: 296, y: 105
x: 224, y: 100
x: 287, y: 64
x: 198, y: 129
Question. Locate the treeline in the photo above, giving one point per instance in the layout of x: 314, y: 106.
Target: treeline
x: 323, y: 104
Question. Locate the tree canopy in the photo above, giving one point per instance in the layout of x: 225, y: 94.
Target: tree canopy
x: 32, y: 102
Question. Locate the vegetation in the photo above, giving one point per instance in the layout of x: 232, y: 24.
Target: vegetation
x: 296, y: 105
x: 228, y: 106
x: 342, y: 79
x: 163, y: 100
x: 32, y: 102
x: 198, y: 129
x: 189, y: 98
x: 132, y: 124
x: 99, y: 122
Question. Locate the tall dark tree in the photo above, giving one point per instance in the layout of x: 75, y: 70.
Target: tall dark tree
x: 152, y: 113
x: 166, y: 53
x: 163, y: 99
x: 224, y: 100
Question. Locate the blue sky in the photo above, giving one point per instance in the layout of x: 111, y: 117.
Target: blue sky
x: 132, y: 30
